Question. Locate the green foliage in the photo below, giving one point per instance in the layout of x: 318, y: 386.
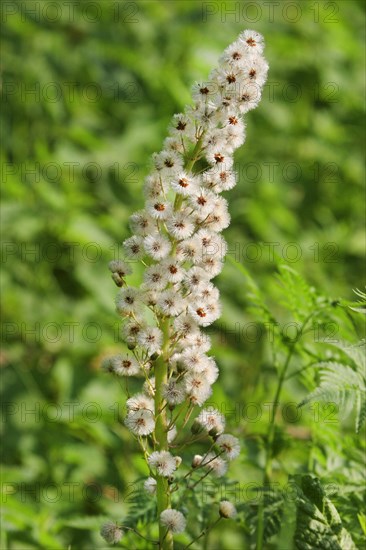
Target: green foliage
x: 342, y: 384
x: 318, y: 524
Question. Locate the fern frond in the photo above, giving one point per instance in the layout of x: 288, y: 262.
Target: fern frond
x: 273, y: 507
x: 358, y: 306
x: 257, y: 303
x: 299, y: 297
x: 343, y: 385
x: 318, y: 523
x: 142, y: 508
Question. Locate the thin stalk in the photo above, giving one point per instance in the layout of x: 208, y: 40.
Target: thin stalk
x: 161, y: 435
x: 270, y: 435
x: 204, y: 532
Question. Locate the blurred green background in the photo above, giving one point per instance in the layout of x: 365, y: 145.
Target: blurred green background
x: 88, y: 91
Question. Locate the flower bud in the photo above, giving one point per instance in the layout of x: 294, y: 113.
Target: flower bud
x: 197, y: 459
x: 196, y: 428
x: 117, y: 279
x: 227, y: 509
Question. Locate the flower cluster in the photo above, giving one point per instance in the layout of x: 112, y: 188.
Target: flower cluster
x: 177, y: 238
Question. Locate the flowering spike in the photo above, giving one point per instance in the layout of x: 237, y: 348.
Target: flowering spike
x: 176, y: 236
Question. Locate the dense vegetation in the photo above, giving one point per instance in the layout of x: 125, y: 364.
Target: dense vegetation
x: 88, y: 91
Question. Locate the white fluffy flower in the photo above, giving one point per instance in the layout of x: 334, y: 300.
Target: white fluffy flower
x: 174, y: 144
x: 124, y: 365
x: 140, y: 422
x: 173, y: 520
x: 140, y: 401
x: 204, y: 313
x: 163, y: 462
x: 173, y: 392
x: 180, y: 225
x: 229, y: 445
x: 185, y: 325
x: 153, y: 186
x: 159, y: 208
x: 150, y: 485
x: 202, y: 201
x: 252, y: 41
x: 173, y: 270
x: 181, y: 126
x: 130, y: 331
x: 211, y: 244
x: 215, y: 464
x: 151, y: 339
x: 155, y: 277
x: 211, y: 420
x: 196, y: 279
x: 134, y: 248
x: 211, y: 265
x: 111, y: 532
x: 194, y: 359
x: 197, y: 387
x: 142, y: 224
x: 128, y: 301
x: 157, y: 246
x: 171, y: 303
x: 184, y: 184
x: 199, y: 340
x: 219, y: 219
x: 188, y: 250
x: 227, y: 509
x: 210, y: 370
x: 168, y: 162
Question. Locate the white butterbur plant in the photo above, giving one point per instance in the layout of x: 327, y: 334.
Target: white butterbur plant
x: 177, y: 238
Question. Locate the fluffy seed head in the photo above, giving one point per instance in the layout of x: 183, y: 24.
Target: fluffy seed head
x: 173, y: 520
x: 111, y: 532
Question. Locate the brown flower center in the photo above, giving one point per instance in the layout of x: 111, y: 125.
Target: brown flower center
x: 251, y: 42
x: 201, y: 312
x: 183, y: 182
x: 218, y: 157
x: 160, y: 207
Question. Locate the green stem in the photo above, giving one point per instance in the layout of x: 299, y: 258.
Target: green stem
x: 161, y: 436
x: 204, y: 532
x: 270, y: 435
x: 268, y: 448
